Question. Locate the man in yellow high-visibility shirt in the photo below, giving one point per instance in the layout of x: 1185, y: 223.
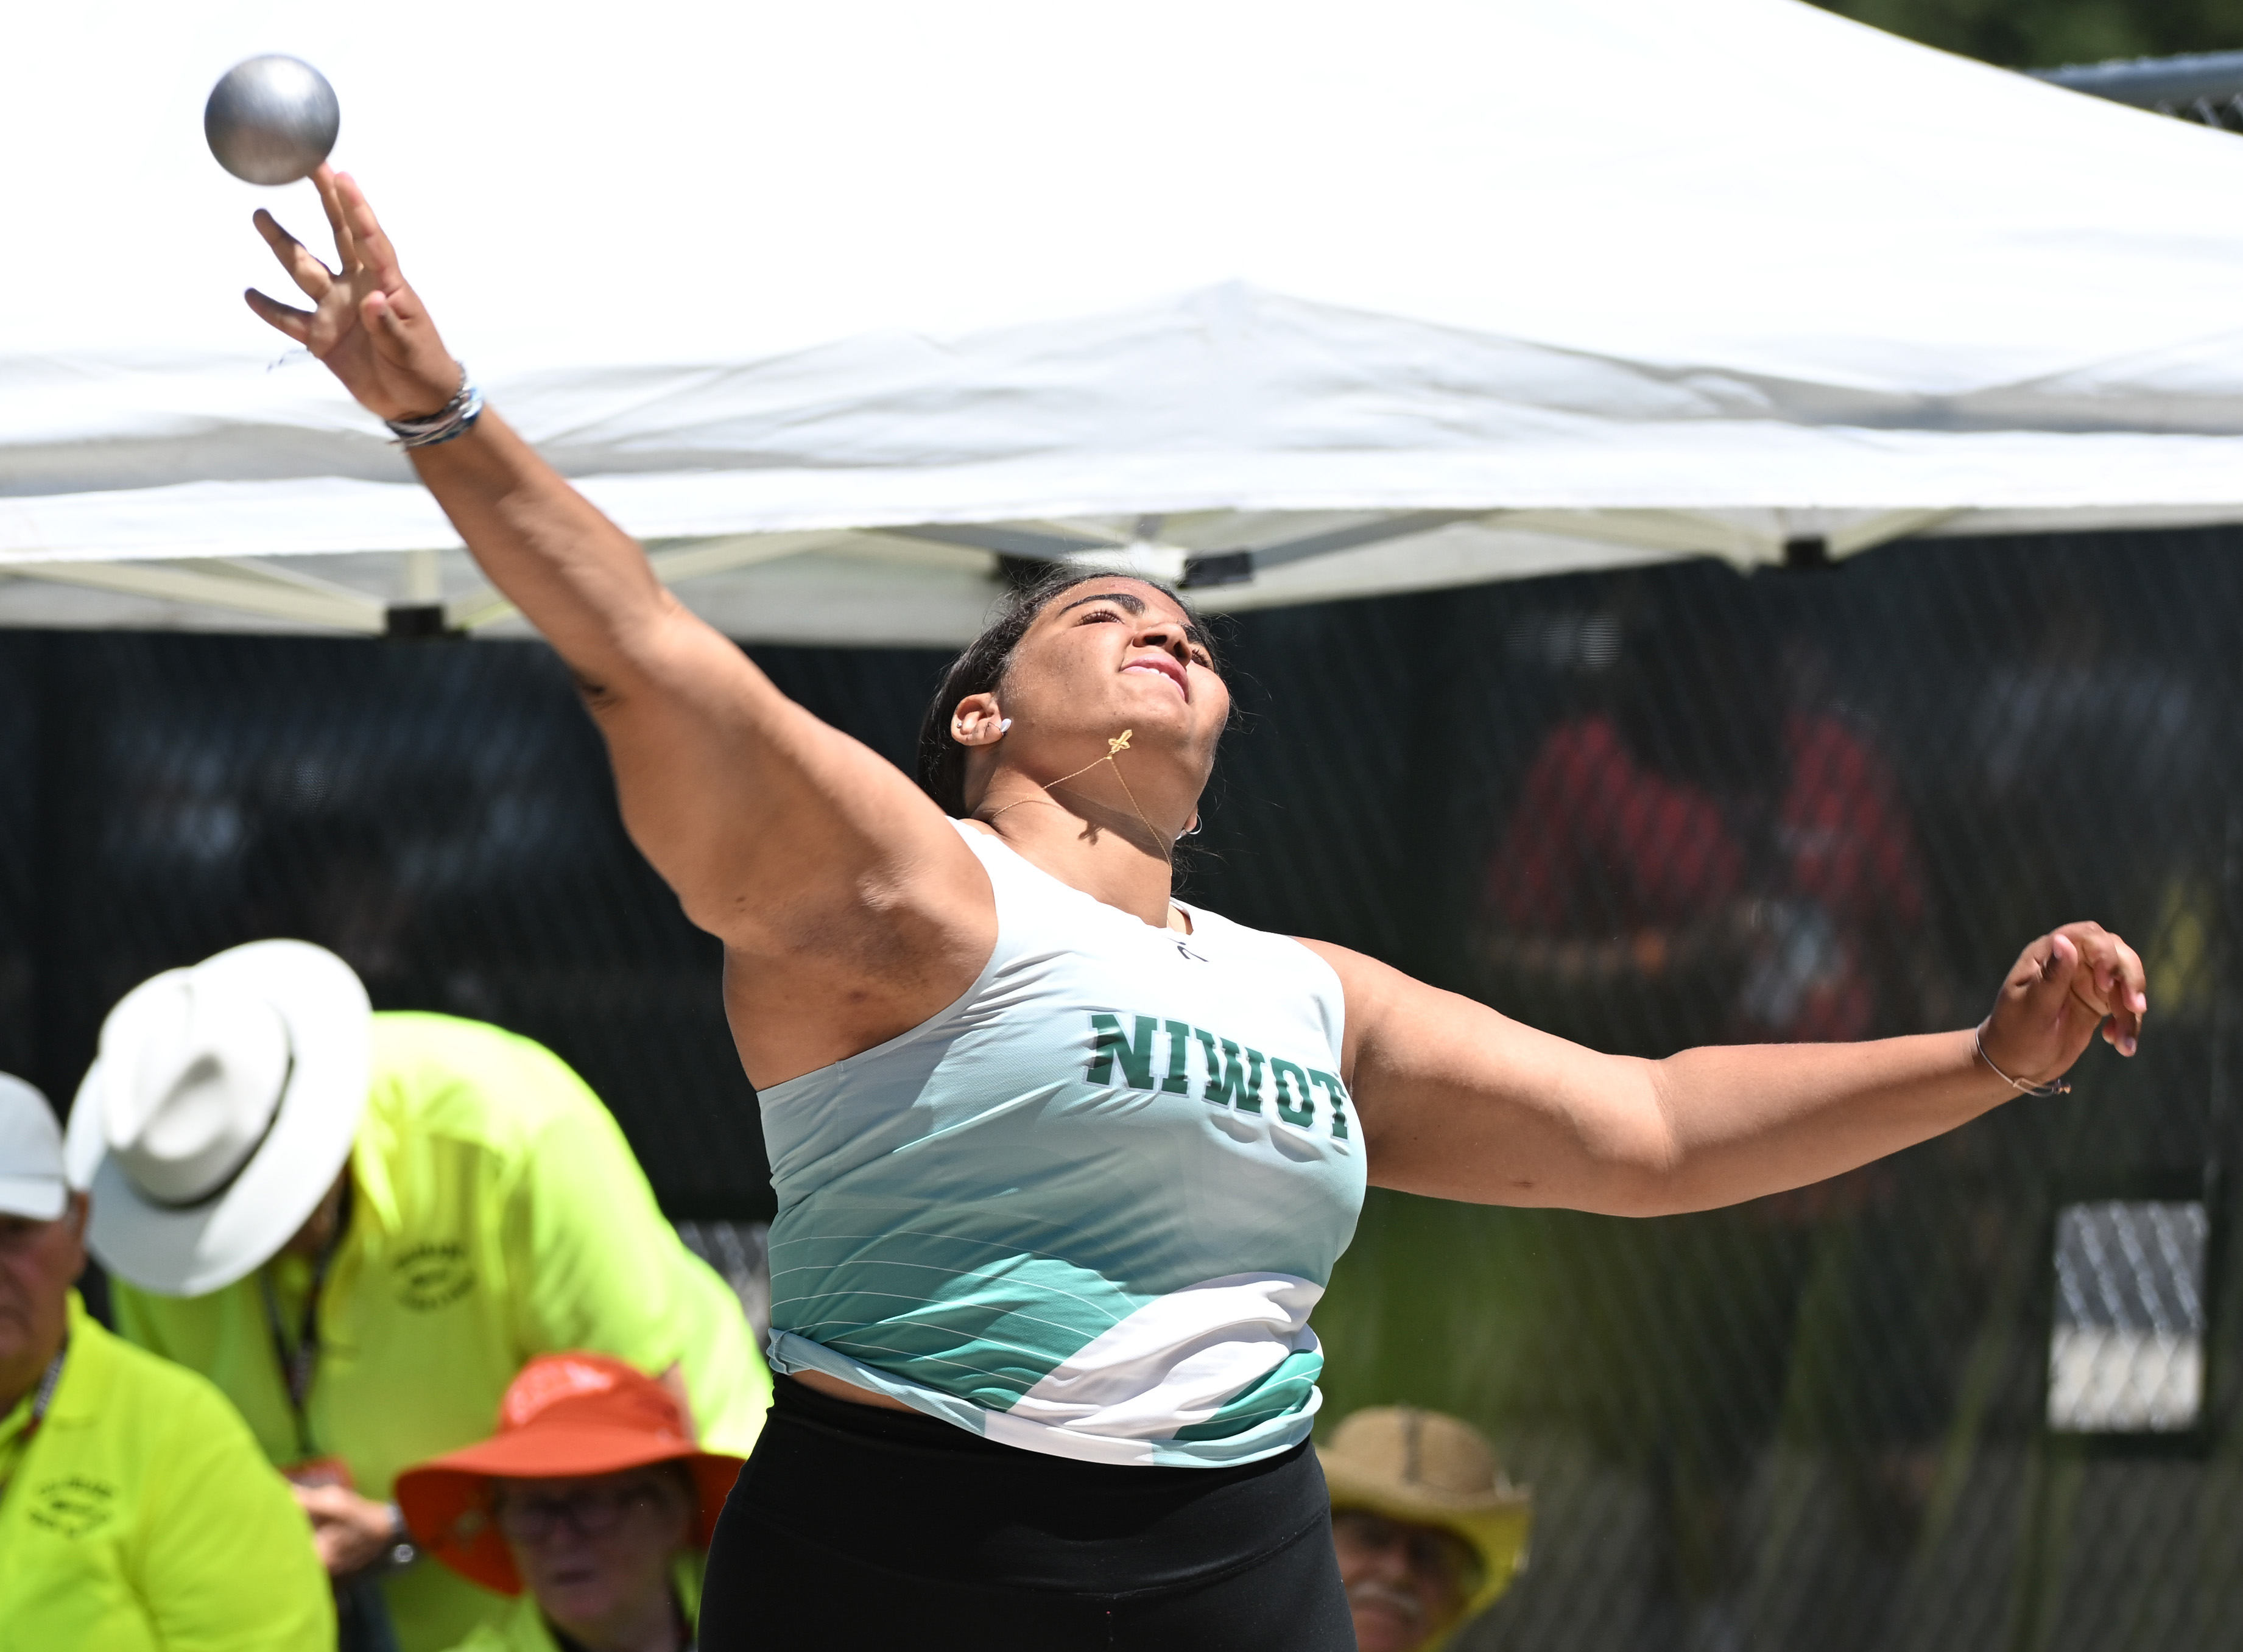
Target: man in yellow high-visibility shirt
x: 136, y: 1512
x: 361, y: 1226
x: 1427, y: 1528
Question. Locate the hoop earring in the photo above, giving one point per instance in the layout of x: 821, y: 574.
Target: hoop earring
x: 1191, y: 831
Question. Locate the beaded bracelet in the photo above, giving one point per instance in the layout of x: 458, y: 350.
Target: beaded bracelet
x: 455, y: 418
x: 2053, y: 1087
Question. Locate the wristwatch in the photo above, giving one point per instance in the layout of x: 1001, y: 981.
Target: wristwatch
x: 402, y: 1550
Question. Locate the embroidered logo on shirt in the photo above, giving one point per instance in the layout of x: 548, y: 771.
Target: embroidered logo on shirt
x: 433, y: 1275
x: 73, y: 1505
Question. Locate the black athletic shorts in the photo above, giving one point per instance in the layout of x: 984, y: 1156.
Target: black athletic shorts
x: 857, y: 1526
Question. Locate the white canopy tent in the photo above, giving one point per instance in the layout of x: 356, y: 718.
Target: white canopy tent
x: 834, y: 304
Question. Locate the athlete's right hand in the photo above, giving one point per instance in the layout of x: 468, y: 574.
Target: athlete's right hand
x: 368, y: 326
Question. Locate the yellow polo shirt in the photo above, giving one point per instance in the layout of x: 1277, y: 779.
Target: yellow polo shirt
x: 524, y: 1628
x: 142, y: 1515
x: 498, y: 1214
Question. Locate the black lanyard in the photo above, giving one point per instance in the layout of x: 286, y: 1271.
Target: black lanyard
x: 42, y: 1397
x: 299, y: 1356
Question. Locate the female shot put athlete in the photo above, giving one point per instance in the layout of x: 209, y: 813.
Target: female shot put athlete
x: 1063, y: 1165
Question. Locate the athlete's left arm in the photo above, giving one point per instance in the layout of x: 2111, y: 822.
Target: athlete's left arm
x: 1458, y: 1102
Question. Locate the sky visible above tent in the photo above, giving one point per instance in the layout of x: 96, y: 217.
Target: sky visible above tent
x: 2041, y: 34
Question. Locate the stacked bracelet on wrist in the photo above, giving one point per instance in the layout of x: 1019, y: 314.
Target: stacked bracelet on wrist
x: 455, y: 418
x: 2053, y: 1087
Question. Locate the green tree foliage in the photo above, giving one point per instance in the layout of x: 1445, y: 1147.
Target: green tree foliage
x: 2032, y: 34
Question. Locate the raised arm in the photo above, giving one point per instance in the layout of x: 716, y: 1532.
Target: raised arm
x: 1458, y: 1102
x: 849, y: 907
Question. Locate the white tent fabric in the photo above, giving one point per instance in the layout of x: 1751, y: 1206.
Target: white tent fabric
x: 833, y: 304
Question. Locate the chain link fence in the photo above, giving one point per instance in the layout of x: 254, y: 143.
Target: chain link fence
x: 1975, y: 1396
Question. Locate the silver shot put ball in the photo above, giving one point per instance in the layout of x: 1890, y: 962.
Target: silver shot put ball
x: 272, y: 119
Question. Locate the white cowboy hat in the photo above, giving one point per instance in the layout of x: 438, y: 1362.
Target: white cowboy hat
x: 220, y: 1111
x: 31, y: 1182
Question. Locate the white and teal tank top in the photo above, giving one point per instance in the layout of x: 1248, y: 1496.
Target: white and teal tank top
x: 1086, y: 1209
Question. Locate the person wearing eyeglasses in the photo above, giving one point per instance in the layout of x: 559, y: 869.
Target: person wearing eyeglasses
x: 592, y: 1505
x: 137, y: 1513
x: 1427, y: 1530
x: 361, y: 1226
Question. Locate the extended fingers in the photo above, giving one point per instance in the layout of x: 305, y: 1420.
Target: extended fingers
x: 297, y: 324
x: 306, y: 271
x: 366, y: 232
x: 323, y: 179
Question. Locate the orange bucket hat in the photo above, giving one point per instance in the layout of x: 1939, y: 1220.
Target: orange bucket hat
x: 564, y: 1415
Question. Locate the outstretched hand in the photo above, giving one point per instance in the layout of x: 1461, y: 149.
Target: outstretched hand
x: 2062, y: 988
x: 368, y: 326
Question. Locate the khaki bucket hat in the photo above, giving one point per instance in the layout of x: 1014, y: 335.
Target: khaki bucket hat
x: 1431, y: 1470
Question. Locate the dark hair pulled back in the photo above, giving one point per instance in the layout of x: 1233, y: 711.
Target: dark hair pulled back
x: 981, y: 668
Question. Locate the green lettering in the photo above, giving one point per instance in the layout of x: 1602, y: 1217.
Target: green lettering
x: 1338, y: 1094
x: 1176, y: 1084
x: 1108, y: 1046
x: 1231, y: 1082
x: 1286, y: 1079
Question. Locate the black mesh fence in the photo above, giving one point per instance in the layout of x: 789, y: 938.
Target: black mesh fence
x: 1976, y: 1396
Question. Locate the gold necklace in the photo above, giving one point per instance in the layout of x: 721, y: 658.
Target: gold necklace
x: 1115, y: 747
